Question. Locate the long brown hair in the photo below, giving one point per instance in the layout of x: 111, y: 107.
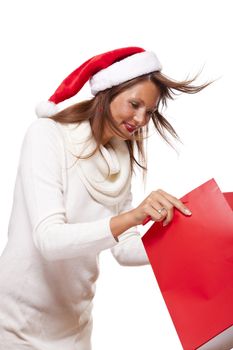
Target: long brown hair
x: 97, y: 111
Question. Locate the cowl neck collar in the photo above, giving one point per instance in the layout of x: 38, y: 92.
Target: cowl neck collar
x: 106, y: 174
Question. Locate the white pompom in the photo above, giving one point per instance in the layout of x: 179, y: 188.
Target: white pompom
x: 46, y: 109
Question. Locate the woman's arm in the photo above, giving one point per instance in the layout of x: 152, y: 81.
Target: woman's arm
x: 40, y: 169
x: 159, y: 205
x: 121, y: 223
x: 130, y: 251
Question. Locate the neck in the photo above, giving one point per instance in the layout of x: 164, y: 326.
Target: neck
x: 106, y: 138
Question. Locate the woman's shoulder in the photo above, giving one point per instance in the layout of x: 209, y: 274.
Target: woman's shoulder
x: 43, y: 127
x: 42, y: 131
x: 77, y: 138
x: 42, y: 124
x: 77, y: 129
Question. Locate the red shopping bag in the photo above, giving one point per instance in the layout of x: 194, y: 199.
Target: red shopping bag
x: 192, y: 259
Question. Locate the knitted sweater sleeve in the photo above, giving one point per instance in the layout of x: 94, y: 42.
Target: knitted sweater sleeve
x: 130, y: 250
x: 40, y: 170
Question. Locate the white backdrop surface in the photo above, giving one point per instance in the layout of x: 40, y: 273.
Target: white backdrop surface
x: 43, y: 41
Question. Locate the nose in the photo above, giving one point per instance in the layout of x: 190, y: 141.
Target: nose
x: 140, y: 118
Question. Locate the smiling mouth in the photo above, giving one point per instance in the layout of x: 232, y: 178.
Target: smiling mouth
x: 130, y: 128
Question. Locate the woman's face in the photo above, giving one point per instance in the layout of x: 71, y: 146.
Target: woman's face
x: 132, y: 108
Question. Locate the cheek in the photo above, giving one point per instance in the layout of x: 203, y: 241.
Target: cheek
x: 120, y: 111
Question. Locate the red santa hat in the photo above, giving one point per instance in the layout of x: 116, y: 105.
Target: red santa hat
x: 103, y: 71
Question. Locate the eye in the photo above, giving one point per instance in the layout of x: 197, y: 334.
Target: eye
x: 134, y: 104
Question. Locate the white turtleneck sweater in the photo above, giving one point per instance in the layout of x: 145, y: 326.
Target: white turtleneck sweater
x: 60, y: 222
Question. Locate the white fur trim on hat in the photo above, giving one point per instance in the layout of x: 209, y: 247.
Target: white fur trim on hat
x: 46, y: 109
x: 126, y: 69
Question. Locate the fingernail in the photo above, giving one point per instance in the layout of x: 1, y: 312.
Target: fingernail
x: 187, y: 211
x: 165, y: 223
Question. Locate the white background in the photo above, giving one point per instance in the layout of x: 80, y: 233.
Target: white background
x: 43, y: 41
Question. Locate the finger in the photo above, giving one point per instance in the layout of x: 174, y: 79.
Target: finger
x: 161, y: 206
x: 168, y: 216
x: 169, y: 210
x: 178, y: 204
x: 160, y: 209
x: 161, y: 201
x: 154, y: 214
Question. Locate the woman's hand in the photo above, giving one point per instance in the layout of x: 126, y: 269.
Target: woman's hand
x: 159, y: 205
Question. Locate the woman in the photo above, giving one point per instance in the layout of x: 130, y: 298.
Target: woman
x: 72, y: 198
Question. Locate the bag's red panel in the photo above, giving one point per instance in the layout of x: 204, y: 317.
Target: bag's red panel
x: 192, y: 259
x: 229, y: 197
